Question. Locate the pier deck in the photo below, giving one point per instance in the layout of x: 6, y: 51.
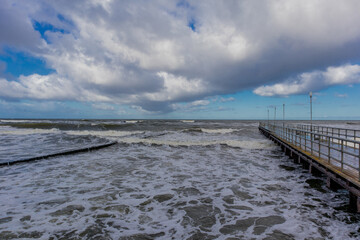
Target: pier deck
x: 334, y: 152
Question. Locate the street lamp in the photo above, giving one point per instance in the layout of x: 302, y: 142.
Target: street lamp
x: 274, y: 116
x: 310, y: 94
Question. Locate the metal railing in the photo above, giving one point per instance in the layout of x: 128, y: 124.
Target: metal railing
x: 337, y: 147
x: 353, y: 134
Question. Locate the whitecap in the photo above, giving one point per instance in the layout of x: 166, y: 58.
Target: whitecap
x: 131, y: 121
x: 26, y: 131
x: 263, y: 144
x: 187, y: 121
x: 219, y: 131
x: 15, y: 121
x: 109, y: 133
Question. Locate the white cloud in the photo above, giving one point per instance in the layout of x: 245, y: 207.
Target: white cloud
x: 229, y: 99
x: 313, y: 81
x: 103, y: 106
x: 347, y: 74
x: 38, y: 87
x: 339, y: 95
x: 200, y: 103
x: 197, y: 105
x: 144, y: 53
x: 45, y: 87
x: 175, y: 87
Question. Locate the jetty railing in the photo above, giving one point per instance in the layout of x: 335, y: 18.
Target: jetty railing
x: 353, y: 134
x: 338, y: 148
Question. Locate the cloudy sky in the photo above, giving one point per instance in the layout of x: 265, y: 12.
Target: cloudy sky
x: 179, y: 59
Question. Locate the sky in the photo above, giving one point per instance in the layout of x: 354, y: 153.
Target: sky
x: 178, y: 59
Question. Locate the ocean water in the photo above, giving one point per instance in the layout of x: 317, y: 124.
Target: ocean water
x: 162, y: 180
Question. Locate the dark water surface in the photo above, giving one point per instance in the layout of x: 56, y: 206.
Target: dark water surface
x: 163, y: 180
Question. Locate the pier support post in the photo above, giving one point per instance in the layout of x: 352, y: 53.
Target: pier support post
x: 331, y: 184
x: 286, y: 151
x: 295, y: 157
x: 305, y: 164
x: 354, y: 202
x: 296, y: 160
x: 314, y: 171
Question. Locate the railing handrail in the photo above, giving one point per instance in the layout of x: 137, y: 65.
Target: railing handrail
x: 336, y: 148
x: 319, y: 134
x: 349, y: 129
x: 347, y: 132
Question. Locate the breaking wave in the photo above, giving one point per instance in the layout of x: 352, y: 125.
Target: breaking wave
x: 212, y: 131
x: 220, y: 131
x: 263, y: 144
x: 27, y: 131
x: 110, y: 133
x: 187, y: 121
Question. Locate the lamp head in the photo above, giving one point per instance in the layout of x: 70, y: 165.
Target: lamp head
x: 310, y: 94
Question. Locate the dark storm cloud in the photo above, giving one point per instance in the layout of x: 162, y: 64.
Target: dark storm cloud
x: 16, y: 28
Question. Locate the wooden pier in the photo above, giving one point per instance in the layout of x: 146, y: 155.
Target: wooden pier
x: 333, y: 152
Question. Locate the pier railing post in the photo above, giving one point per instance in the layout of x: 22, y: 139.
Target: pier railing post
x: 288, y: 134
x: 346, y: 133
x: 328, y: 149
x: 359, y: 162
x: 312, y: 138
x: 342, y: 154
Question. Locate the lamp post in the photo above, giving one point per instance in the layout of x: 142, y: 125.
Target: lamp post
x: 268, y: 118
x: 283, y: 113
x: 274, y: 118
x: 310, y: 94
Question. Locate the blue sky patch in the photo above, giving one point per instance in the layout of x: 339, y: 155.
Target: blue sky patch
x: 65, y: 20
x: 191, y: 24
x: 43, y: 27
x: 184, y: 4
x: 20, y: 63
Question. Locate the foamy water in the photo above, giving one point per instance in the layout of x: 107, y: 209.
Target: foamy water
x: 166, y: 181
x: 109, y: 134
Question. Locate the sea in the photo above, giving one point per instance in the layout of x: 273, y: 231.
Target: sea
x: 162, y: 179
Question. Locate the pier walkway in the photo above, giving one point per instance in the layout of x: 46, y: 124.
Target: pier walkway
x: 334, y: 152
